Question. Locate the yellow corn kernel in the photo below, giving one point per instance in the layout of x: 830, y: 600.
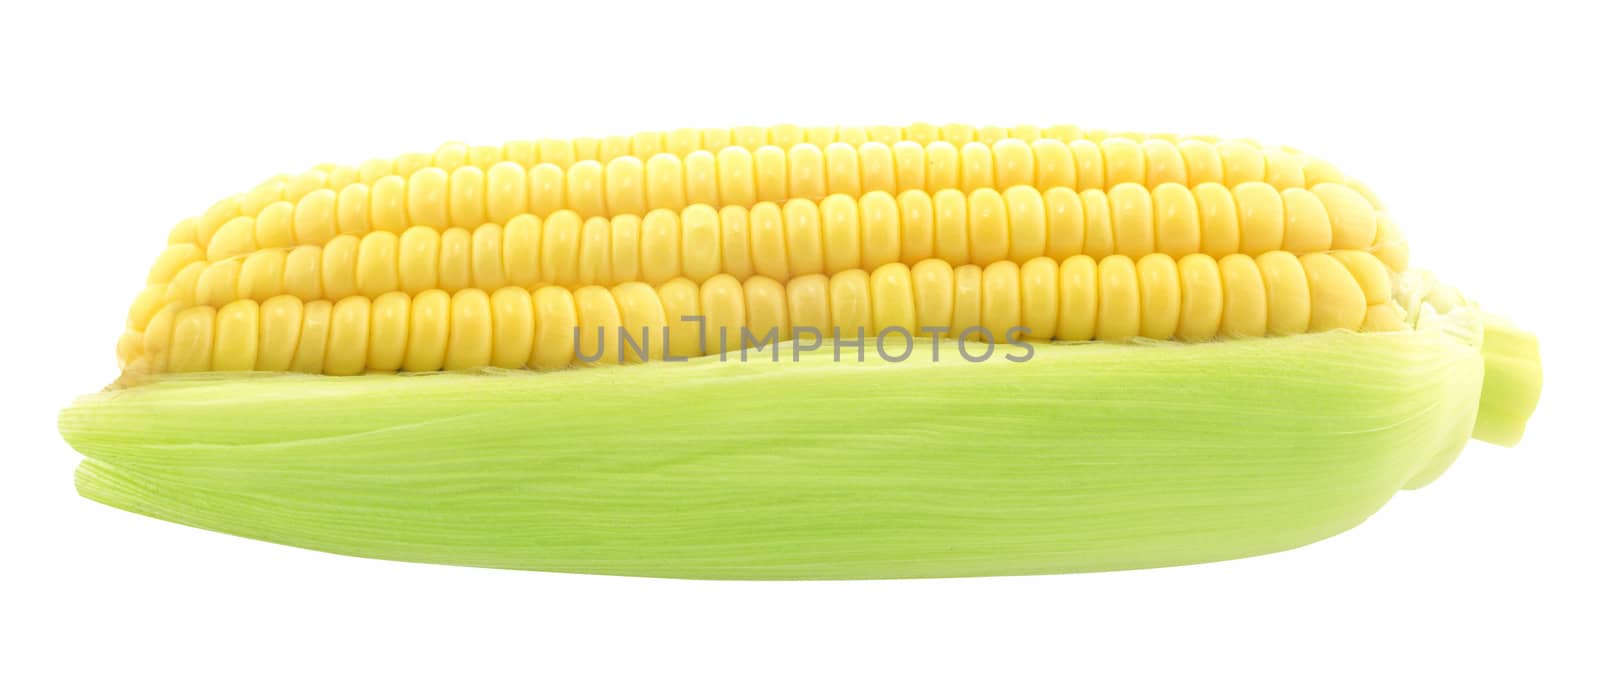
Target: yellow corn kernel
x: 1124, y: 162
x: 877, y: 168
x: 467, y: 201
x: 192, y: 333
x: 349, y: 332
x: 768, y: 254
x: 352, y: 210
x: 455, y: 260
x: 1260, y: 210
x: 1132, y: 219
x: 950, y: 241
x: 910, y: 166
x: 735, y: 239
x: 944, y: 167
x: 512, y: 327
x: 1384, y: 318
x: 558, y: 152
x: 933, y: 295
x: 391, y: 321
x: 1177, y: 219
x: 893, y: 305
x: 1288, y: 293
x: 507, y: 191
x: 849, y: 302
x: 1201, y: 289
x: 664, y: 183
x: 1039, y: 283
x: 735, y: 176
x: 471, y: 331
x: 388, y: 205
x: 219, y: 283
x: 808, y: 305
x: 313, y: 343
x: 594, y: 253
x: 680, y: 301
x: 1160, y: 296
x: 1202, y: 162
x: 547, y: 189
x: 1054, y: 165
x: 802, y: 237
x: 427, y: 199
x: 702, y: 247
x: 262, y: 275
x: 843, y: 168
x: 977, y: 167
x: 1244, y: 297
x: 450, y: 155
x: 772, y: 174
x: 235, y: 237
x: 1063, y: 223
x: 157, y: 338
x: 1306, y: 227
x: 488, y: 262
x: 1000, y: 308
x: 1352, y: 217
x: 1013, y: 164
x: 1241, y: 162
x: 1119, y: 299
x: 1369, y: 273
x: 302, y: 272
x: 523, y: 248
x: 280, y: 324
x: 585, y: 182
x: 376, y: 270
x: 1099, y: 239
x: 700, y: 178
x: 766, y: 311
x: 880, y: 229
x: 915, y: 214
x: 967, y: 299
x: 722, y: 304
x: 807, y: 172
x: 1163, y: 163
x: 1090, y: 165
x: 418, y: 259
x: 1337, y: 301
x: 1283, y: 170
x: 841, y: 233
x: 558, y: 252
x: 625, y: 186
x: 659, y: 241
x: 430, y: 330
x: 989, y: 238
x: 643, y: 318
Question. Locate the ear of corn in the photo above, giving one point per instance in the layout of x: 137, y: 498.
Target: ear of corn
x: 852, y: 353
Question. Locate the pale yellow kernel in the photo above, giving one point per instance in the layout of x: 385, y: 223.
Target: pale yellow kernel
x: 471, y: 331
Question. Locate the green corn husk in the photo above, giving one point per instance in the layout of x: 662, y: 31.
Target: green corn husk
x: 1086, y: 457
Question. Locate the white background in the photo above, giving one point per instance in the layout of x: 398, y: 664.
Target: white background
x: 1478, y: 126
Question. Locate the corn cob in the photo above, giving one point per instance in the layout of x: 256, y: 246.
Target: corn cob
x: 1135, y: 357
